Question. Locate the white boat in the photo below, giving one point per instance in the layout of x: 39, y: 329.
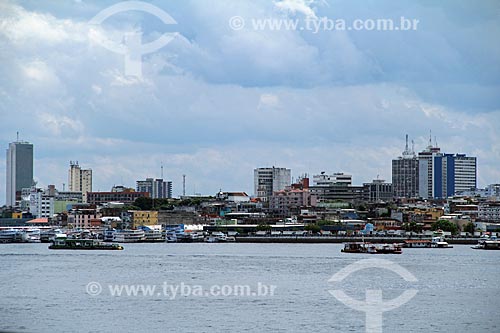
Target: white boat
x: 438, y: 241
x: 216, y: 237
x: 109, y: 235
x: 171, y: 236
x: 487, y: 243
x: 11, y: 236
x: 33, y: 235
x: 129, y: 236
x: 154, y: 236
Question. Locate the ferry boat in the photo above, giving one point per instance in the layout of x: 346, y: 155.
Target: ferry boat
x: 154, y: 236
x: 129, y: 236
x: 363, y: 247
x: 12, y: 236
x: 62, y: 243
x: 487, y: 243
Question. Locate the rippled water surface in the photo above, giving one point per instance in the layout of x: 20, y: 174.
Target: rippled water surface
x: 45, y: 290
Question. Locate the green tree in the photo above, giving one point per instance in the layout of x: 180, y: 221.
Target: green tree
x: 314, y: 228
x: 445, y: 225
x: 263, y: 227
x: 469, y: 227
x: 144, y: 203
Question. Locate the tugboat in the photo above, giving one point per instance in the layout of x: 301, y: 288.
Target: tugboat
x: 63, y: 243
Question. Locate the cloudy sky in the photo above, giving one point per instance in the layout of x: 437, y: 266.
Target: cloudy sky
x: 215, y: 102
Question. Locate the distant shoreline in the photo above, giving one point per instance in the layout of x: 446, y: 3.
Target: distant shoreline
x: 312, y: 239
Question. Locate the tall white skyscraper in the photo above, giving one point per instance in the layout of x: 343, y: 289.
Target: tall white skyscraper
x: 269, y: 180
x: 79, y: 180
x: 19, y: 170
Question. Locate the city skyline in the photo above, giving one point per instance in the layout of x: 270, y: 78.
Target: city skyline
x: 215, y: 103
x: 77, y: 175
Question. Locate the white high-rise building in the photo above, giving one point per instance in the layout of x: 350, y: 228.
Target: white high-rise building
x: 338, y: 178
x: 465, y: 173
x: 269, y: 180
x: 19, y: 170
x: 79, y: 180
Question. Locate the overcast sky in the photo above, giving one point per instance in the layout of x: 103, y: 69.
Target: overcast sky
x: 215, y: 103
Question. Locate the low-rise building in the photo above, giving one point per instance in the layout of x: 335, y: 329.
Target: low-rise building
x: 144, y: 218
x: 489, y: 212
x: 378, y: 191
x: 289, y: 201
x: 127, y: 197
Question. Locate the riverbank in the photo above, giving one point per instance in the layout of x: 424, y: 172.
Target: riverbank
x: 325, y: 239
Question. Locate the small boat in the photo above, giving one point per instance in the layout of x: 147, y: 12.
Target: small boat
x: 364, y: 247
x: 487, y: 243
x: 216, y: 237
x: 438, y: 241
x: 61, y: 243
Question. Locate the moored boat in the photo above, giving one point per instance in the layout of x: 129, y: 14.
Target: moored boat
x: 216, y: 237
x: 487, y: 243
x: 129, y: 236
x: 439, y: 241
x: 61, y: 243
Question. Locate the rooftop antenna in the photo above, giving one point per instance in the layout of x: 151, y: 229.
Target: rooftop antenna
x: 64, y: 187
x: 435, y: 141
x: 430, y: 138
x: 162, y: 170
x: 413, y: 147
x: 17, y: 134
x: 407, y: 152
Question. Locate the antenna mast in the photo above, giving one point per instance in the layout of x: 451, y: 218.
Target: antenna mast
x: 183, y: 185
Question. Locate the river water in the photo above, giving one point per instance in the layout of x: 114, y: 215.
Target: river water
x: 45, y: 290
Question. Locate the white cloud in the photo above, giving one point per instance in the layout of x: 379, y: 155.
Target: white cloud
x: 296, y: 6
x: 22, y: 26
x: 268, y: 101
x: 195, y: 108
